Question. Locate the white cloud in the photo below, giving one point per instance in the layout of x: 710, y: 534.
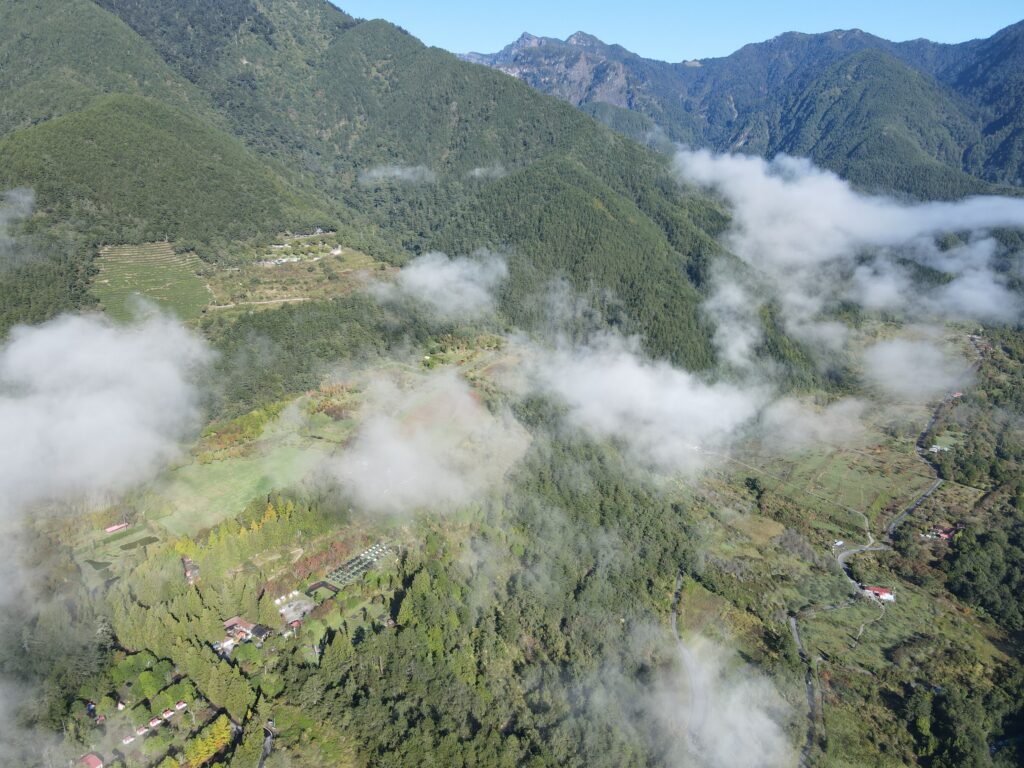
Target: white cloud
x: 429, y: 444
x: 664, y: 416
x: 913, y: 370
x: 459, y: 288
x: 91, y: 409
x: 815, y: 241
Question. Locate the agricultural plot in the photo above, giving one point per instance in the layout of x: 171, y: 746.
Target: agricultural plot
x: 353, y: 569
x: 951, y: 503
x: 153, y: 271
x: 873, y: 482
x: 298, y: 269
x: 100, y: 555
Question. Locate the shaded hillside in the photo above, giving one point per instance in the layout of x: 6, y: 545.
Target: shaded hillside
x: 128, y: 169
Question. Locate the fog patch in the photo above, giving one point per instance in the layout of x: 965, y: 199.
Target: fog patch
x: 426, y: 443
x: 912, y: 370
x: 488, y: 172
x: 791, y: 425
x: 405, y: 174
x: 815, y: 242
x: 15, y: 205
x: 451, y: 288
x: 91, y: 409
x: 665, y: 417
x: 701, y: 707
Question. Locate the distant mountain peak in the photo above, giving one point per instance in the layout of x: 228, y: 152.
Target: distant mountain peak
x: 526, y: 40
x: 583, y: 40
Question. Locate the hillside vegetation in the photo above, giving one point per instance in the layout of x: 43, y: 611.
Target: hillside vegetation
x: 306, y: 88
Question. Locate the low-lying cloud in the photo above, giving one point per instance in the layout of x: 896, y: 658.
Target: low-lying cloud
x: 406, y: 174
x: 702, y: 708
x: 815, y: 243
x: 451, y: 288
x: 665, y: 417
x: 912, y: 370
x: 91, y: 409
x: 722, y: 717
x: 492, y: 171
x: 426, y: 443
x: 15, y: 205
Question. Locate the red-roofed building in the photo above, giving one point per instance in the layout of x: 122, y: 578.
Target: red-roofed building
x: 880, y: 593
x: 239, y: 628
x: 92, y: 760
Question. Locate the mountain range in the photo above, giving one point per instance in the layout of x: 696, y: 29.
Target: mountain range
x: 922, y: 118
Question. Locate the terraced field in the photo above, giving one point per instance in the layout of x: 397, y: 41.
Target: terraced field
x: 153, y: 271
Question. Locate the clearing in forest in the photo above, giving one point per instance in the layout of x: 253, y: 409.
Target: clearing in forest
x: 153, y: 271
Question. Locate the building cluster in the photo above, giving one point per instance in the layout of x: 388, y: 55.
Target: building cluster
x: 942, y: 533
x: 93, y: 760
x: 293, y: 608
x: 241, y: 631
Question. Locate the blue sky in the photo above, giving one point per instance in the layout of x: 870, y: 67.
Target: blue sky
x: 684, y: 29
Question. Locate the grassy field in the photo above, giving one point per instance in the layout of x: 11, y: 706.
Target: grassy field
x: 199, y: 496
x: 153, y: 271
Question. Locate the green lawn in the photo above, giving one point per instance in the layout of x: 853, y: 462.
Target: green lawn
x: 198, y: 496
x: 153, y: 271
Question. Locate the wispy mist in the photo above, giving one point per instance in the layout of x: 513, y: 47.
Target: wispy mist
x: 451, y: 288
x: 492, y: 171
x: 90, y: 408
x: 913, y: 370
x: 815, y: 242
x: 15, y: 205
x: 407, y: 174
x: 426, y: 443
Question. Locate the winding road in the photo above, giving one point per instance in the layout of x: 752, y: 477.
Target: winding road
x: 842, y: 556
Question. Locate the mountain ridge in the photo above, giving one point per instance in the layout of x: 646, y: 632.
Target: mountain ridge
x: 742, y: 101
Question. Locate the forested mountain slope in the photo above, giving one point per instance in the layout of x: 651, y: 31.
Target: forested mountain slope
x: 358, y: 124
x: 948, y: 105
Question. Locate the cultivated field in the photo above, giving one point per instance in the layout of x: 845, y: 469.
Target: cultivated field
x: 295, y: 269
x: 153, y: 271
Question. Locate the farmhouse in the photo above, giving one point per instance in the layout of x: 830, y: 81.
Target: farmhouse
x: 92, y: 760
x: 880, y: 593
x: 239, y: 628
